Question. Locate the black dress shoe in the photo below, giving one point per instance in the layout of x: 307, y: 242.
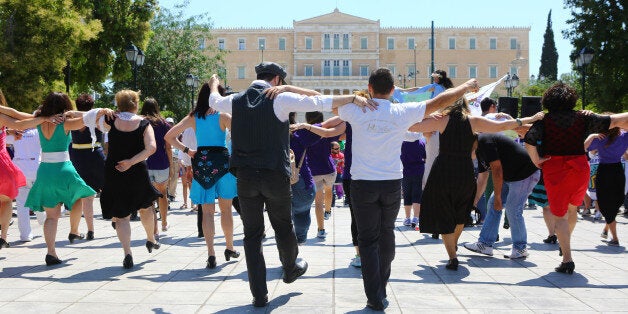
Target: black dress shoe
x: 566, y: 268
x: 51, y: 260
x: 299, y: 269
x: 260, y: 302
x: 152, y: 245
x: 434, y: 235
x: 72, y: 237
x: 229, y: 254
x: 128, y: 262
x: 375, y: 306
x: 452, y: 264
x: 550, y: 239
x: 90, y: 235
x: 4, y: 243
x: 211, y: 262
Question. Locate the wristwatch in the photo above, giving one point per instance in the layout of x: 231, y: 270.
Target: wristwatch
x: 518, y: 121
x: 187, y: 149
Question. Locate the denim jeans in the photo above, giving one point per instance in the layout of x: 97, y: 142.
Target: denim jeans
x: 302, y: 199
x: 514, y: 196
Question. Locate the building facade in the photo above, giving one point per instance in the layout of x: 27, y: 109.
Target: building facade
x: 334, y: 53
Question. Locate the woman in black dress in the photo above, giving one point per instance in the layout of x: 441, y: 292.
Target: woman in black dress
x: 127, y: 186
x: 450, y: 188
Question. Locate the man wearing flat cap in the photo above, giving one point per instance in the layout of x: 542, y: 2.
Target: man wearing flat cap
x: 260, y: 161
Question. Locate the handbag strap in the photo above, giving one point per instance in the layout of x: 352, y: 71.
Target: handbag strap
x: 301, y: 161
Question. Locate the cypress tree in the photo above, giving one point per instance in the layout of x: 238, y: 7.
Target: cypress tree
x: 549, y: 55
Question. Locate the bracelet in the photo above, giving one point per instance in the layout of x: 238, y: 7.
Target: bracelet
x: 186, y: 150
x: 518, y: 121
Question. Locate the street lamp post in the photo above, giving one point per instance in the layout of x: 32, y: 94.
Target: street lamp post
x: 136, y: 57
x: 584, y: 58
x: 415, y: 66
x: 192, y: 82
x: 402, y: 78
x: 510, y: 83
x: 261, y: 47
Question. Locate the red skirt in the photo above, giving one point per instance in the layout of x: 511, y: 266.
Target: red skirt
x: 566, y: 181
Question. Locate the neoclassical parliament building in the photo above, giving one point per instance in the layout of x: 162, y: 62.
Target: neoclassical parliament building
x: 334, y: 53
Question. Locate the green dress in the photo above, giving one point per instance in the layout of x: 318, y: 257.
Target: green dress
x: 57, y: 182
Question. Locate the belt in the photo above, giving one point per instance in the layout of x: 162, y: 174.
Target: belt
x: 55, y: 157
x: 85, y: 146
x: 24, y: 158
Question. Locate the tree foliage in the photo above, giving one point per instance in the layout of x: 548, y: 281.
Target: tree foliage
x: 601, y: 25
x: 37, y: 38
x: 549, y: 55
x: 174, y: 50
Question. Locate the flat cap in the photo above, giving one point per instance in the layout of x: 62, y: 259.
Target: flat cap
x: 272, y: 68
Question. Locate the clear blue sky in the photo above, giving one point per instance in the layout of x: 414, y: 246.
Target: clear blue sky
x: 417, y: 13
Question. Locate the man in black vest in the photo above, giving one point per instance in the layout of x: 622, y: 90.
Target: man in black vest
x: 260, y: 161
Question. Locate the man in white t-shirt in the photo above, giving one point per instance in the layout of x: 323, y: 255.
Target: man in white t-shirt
x: 376, y: 173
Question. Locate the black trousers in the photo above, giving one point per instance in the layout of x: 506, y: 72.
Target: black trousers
x: 346, y: 186
x: 376, y: 205
x: 259, y: 188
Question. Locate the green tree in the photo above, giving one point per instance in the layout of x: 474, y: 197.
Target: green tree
x: 179, y: 45
x: 103, y: 57
x: 549, y: 55
x: 37, y: 37
x: 601, y: 25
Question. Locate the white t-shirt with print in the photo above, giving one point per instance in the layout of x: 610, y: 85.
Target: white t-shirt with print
x: 377, y: 137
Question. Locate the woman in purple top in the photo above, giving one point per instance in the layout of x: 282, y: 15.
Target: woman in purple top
x: 159, y: 162
x: 610, y: 179
x: 413, y: 160
x: 306, y: 136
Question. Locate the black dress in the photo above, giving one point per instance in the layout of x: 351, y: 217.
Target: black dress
x: 450, y: 187
x: 128, y: 191
x: 90, y: 164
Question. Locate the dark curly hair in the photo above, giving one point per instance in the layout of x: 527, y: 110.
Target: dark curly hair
x: 84, y: 102
x: 382, y: 81
x: 443, y: 79
x: 559, y: 97
x: 55, y: 103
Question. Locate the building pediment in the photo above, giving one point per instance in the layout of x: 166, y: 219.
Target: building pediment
x: 335, y: 17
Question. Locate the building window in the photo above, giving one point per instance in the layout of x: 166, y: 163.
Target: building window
x: 201, y: 43
x: 492, y: 71
x: 261, y: 44
x: 241, y: 44
x: 473, y: 71
x: 430, y: 44
x: 452, y: 71
x: 513, y: 43
x: 392, y: 68
x: 472, y: 43
x: 282, y: 44
x: 514, y: 70
x: 364, y: 43
x: 326, y: 68
x: 336, y: 41
x: 346, y: 69
x: 326, y: 42
x: 364, y: 70
x: 345, y: 41
x: 309, y: 70
x: 410, y: 68
x: 492, y: 43
x: 241, y: 71
x: 452, y: 43
x: 308, y: 43
x: 391, y: 43
x: 221, y: 43
x: 336, y: 68
x: 411, y: 43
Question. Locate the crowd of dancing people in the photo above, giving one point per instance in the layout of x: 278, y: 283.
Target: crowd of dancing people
x: 248, y: 151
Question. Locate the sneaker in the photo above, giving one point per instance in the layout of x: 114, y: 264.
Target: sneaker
x: 327, y: 215
x: 321, y: 234
x: 415, y: 222
x: 356, y: 262
x: 604, y: 235
x: 407, y: 222
x: 597, y: 216
x: 613, y: 243
x: 517, y: 254
x: 585, y: 213
x: 479, y: 247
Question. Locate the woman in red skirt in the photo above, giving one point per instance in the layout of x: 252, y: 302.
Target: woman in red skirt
x: 556, y: 143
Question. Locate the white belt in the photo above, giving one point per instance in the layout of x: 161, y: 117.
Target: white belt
x: 55, y: 157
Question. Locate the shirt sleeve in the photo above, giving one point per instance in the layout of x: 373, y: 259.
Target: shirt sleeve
x: 597, y: 123
x: 348, y: 112
x: 595, y: 144
x: 535, y: 134
x: 415, y: 112
x: 290, y: 102
x: 222, y: 104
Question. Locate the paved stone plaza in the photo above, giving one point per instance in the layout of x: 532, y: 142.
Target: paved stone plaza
x: 174, y: 279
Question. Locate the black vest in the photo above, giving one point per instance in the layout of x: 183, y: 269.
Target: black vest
x: 259, y: 139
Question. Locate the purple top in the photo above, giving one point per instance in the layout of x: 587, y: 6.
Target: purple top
x: 159, y: 160
x: 300, y: 140
x: 612, y: 153
x: 413, y: 158
x: 346, y: 172
x: 319, y: 156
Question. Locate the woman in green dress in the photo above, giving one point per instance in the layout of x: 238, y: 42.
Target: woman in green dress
x: 57, y: 181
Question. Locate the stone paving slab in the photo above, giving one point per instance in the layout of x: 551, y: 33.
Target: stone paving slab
x: 174, y: 279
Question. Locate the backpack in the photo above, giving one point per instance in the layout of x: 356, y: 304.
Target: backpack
x: 294, y: 169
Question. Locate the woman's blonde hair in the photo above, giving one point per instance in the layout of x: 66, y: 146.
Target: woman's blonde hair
x: 127, y: 100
